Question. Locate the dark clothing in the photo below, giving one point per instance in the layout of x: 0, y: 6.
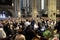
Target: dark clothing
x: 39, y: 24
x: 15, y: 24
x: 22, y: 24
x: 7, y: 30
x: 43, y: 23
x: 58, y: 26
x: 32, y: 22
x: 29, y: 33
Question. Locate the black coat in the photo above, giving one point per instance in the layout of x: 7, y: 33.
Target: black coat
x: 7, y: 29
x: 58, y: 26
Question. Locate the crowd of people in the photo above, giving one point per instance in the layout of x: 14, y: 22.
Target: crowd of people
x: 27, y: 28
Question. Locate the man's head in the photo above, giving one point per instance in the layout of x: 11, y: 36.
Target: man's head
x: 20, y: 37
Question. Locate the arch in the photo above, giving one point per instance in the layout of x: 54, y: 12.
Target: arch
x: 5, y: 13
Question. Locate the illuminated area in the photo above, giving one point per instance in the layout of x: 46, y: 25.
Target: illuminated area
x: 12, y: 4
x: 42, y: 4
x: 19, y: 14
x: 2, y: 16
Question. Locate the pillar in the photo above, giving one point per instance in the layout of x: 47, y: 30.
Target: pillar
x: 52, y: 9
x: 34, y: 9
x: 38, y: 5
x: 17, y: 8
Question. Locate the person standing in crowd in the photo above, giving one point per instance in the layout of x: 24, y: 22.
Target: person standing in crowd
x: 2, y: 32
x: 46, y: 23
x: 15, y: 23
x: 32, y: 22
x: 27, y: 23
x: 35, y: 26
x: 22, y: 24
x: 6, y: 27
x: 43, y: 22
x: 28, y: 30
x: 57, y: 27
x: 20, y: 37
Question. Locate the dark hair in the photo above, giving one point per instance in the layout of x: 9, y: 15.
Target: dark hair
x: 26, y: 19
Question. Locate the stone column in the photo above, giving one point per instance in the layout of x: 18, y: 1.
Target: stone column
x: 52, y: 9
x: 34, y: 9
x: 17, y: 8
x: 38, y: 5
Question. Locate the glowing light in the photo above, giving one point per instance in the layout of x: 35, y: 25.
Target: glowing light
x: 12, y: 4
x: 19, y: 14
